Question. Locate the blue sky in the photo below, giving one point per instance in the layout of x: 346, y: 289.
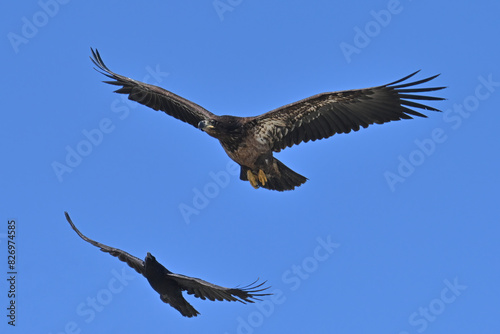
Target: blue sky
x: 396, y: 230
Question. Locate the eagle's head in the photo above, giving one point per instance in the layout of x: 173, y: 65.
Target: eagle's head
x: 222, y: 126
x: 207, y: 125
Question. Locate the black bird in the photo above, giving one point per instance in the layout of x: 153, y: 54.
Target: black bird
x: 251, y: 141
x: 170, y: 285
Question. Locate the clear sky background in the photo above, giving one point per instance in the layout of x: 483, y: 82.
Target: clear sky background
x: 396, y: 230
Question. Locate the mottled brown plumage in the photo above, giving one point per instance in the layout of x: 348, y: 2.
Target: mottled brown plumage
x: 170, y: 285
x: 251, y: 141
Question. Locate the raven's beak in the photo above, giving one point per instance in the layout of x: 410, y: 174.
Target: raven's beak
x: 204, y: 125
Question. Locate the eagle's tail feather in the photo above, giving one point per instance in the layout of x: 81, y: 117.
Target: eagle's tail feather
x: 287, y: 179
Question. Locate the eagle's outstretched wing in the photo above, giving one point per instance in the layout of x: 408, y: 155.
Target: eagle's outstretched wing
x: 152, y: 96
x: 205, y: 290
x: 323, y: 115
x: 131, y: 260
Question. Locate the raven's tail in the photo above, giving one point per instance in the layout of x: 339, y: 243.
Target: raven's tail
x: 181, y: 305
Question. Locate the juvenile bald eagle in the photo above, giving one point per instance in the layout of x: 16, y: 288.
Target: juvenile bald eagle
x: 170, y: 285
x: 251, y: 141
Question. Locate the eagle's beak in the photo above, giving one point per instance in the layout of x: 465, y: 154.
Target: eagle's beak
x: 204, y: 125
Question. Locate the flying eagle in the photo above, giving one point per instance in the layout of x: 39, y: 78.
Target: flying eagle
x: 251, y: 141
x: 170, y: 285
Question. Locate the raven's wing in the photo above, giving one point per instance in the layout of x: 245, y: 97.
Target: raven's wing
x: 132, y: 261
x: 323, y: 115
x: 153, y: 96
x: 205, y: 290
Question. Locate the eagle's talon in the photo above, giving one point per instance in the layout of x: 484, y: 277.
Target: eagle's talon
x: 251, y: 178
x: 262, y: 177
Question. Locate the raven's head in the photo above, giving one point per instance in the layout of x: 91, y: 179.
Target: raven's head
x: 221, y: 126
x: 150, y: 259
x: 153, y: 267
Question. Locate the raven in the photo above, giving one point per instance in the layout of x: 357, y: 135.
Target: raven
x: 170, y: 285
x: 251, y: 141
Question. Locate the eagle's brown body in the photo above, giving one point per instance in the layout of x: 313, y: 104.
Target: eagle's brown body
x: 251, y: 141
x: 252, y: 151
